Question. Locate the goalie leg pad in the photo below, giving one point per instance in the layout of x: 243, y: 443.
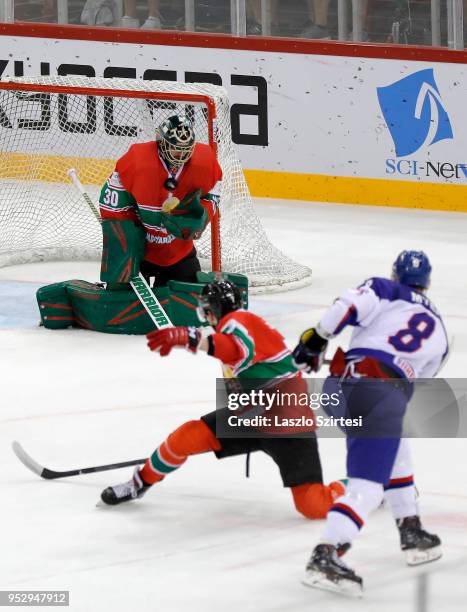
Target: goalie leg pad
x: 81, y: 304
x: 55, y: 306
x: 117, y: 310
x: 112, y: 311
x: 122, y: 252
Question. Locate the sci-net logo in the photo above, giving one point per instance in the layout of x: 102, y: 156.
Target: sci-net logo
x: 416, y: 118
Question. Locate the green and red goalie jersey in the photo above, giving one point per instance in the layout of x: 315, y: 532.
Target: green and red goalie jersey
x: 136, y: 191
x: 251, y: 348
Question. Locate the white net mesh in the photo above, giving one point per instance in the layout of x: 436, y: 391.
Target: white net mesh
x: 43, y: 134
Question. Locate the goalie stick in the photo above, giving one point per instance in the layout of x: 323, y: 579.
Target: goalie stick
x: 138, y: 283
x: 49, y: 474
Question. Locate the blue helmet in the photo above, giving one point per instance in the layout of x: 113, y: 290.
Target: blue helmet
x: 412, y: 268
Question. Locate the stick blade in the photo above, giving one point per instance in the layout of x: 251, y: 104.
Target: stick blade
x: 27, y: 460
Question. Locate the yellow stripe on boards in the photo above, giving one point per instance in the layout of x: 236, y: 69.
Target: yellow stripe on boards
x: 262, y: 183
x: 353, y: 190
x: 54, y: 168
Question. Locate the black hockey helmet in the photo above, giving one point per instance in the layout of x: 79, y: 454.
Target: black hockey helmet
x: 219, y: 298
x: 176, y: 138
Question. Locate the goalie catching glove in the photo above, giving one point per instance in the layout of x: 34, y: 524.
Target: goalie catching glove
x: 308, y: 355
x: 164, y: 340
x: 186, y: 219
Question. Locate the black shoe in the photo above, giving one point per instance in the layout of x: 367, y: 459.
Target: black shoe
x: 133, y: 489
x: 419, y: 545
x: 326, y: 571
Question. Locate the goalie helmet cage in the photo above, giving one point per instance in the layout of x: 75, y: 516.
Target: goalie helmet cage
x: 51, y: 124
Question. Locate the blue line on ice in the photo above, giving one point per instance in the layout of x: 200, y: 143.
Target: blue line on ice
x: 18, y: 306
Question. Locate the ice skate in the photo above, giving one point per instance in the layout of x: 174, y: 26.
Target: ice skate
x: 326, y: 571
x: 133, y: 489
x: 419, y: 545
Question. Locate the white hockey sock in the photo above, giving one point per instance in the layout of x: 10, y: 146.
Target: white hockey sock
x: 400, y: 492
x: 347, y: 516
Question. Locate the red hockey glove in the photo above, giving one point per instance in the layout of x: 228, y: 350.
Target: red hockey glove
x: 164, y: 340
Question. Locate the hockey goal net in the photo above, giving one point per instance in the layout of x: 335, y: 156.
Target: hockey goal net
x: 51, y: 124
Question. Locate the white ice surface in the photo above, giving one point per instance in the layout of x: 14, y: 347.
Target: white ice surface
x: 207, y: 538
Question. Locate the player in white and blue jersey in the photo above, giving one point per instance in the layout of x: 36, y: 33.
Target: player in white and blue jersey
x: 398, y: 336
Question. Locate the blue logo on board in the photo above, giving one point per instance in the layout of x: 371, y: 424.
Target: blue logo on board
x: 414, y: 112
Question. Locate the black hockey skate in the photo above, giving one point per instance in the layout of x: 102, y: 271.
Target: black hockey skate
x: 133, y: 489
x: 419, y: 545
x: 325, y: 570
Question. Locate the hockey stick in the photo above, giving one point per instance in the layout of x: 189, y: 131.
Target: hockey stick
x: 48, y: 474
x: 138, y: 283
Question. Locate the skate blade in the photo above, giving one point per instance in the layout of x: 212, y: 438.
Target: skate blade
x: 418, y: 557
x: 317, y: 580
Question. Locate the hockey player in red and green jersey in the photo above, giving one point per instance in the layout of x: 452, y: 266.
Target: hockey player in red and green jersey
x: 171, y: 186
x: 252, y: 349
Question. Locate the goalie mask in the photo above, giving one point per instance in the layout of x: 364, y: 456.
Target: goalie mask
x: 219, y: 298
x: 176, y: 138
